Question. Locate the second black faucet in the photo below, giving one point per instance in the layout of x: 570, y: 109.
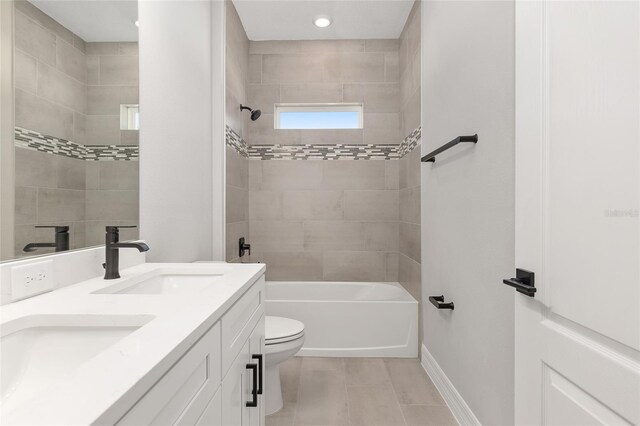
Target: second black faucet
x: 112, y: 246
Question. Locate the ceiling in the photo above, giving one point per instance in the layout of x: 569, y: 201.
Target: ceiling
x: 293, y: 19
x: 95, y: 20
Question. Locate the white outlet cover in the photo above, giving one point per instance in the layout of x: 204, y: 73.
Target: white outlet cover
x: 32, y: 279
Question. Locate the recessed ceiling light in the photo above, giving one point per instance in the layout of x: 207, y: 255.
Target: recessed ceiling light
x: 322, y: 21
x: 137, y: 23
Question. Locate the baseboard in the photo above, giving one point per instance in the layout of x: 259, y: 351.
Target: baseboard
x: 454, y: 400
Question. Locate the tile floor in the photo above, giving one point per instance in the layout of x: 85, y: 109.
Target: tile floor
x: 358, y: 391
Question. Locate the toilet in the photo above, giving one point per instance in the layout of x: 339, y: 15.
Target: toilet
x: 283, y: 339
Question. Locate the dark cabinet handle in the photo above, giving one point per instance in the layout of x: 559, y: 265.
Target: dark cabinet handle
x: 524, y: 282
x: 438, y: 302
x: 260, y: 371
x: 254, y: 391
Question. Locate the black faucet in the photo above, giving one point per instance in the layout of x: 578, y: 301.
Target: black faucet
x: 243, y: 247
x: 61, y: 242
x: 112, y: 246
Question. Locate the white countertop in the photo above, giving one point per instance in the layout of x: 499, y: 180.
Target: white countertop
x: 117, y: 377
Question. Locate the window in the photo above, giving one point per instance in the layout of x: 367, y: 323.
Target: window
x: 129, y: 117
x: 318, y: 116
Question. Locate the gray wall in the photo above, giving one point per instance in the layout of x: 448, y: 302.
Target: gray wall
x: 112, y: 80
x: 326, y: 71
x: 50, y: 98
x: 410, y: 71
x: 50, y: 190
x: 468, y: 199
x: 325, y: 220
x: 70, y: 89
x: 409, y: 244
x: 237, y: 165
x: 50, y: 75
x: 112, y: 196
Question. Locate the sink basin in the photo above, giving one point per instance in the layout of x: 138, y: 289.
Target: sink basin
x: 38, y: 350
x: 164, y: 283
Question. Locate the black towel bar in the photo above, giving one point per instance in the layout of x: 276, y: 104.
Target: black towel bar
x: 431, y: 157
x: 438, y: 302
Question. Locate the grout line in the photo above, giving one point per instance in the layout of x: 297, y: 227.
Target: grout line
x: 295, y: 411
x: 394, y: 391
x: 346, y: 390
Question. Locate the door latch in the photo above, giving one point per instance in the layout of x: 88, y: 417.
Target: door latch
x: 524, y: 282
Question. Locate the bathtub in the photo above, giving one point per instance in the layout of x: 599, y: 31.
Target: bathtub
x: 349, y: 319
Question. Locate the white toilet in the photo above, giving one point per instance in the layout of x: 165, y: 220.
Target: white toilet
x: 283, y: 339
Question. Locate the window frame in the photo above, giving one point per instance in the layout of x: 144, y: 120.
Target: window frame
x: 318, y: 107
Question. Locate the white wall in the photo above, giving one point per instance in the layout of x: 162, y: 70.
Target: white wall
x: 182, y: 130
x: 468, y: 199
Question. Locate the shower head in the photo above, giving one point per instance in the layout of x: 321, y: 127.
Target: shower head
x: 255, y: 113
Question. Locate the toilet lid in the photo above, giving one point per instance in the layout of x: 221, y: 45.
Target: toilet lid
x: 279, y: 328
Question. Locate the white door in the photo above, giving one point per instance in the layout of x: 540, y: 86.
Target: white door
x: 577, y: 225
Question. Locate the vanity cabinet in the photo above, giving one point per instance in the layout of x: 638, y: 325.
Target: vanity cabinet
x: 242, y: 393
x: 213, y: 383
x: 241, y: 407
x: 184, y: 392
x: 257, y: 348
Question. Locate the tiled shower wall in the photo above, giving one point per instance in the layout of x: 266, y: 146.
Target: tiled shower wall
x: 326, y: 71
x: 237, y: 169
x: 61, y: 85
x: 329, y: 220
x: 325, y: 220
x: 112, y: 196
x: 409, y: 200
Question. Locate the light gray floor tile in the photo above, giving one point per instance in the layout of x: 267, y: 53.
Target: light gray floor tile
x: 411, y: 383
x: 322, y: 398
x: 373, y: 405
x: 284, y: 417
x: 322, y: 364
x: 366, y: 371
x: 358, y: 391
x: 290, y: 378
x: 424, y: 415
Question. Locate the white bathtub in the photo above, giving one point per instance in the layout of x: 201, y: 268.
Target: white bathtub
x: 349, y: 319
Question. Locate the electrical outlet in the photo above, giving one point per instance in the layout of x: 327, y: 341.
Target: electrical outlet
x: 31, y: 279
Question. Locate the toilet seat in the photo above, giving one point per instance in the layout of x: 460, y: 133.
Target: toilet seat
x: 281, y: 330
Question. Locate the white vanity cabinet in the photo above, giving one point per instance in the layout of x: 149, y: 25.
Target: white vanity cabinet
x: 241, y: 407
x: 256, y: 346
x: 213, y: 383
x: 243, y: 351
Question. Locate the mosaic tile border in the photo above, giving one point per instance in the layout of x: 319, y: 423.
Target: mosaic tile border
x: 30, y: 139
x: 323, y: 151
x: 112, y: 153
x: 410, y: 142
x: 236, y: 142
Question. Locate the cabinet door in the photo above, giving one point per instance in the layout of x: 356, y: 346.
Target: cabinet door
x: 183, y: 393
x: 256, y: 345
x: 236, y: 390
x: 212, y: 415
